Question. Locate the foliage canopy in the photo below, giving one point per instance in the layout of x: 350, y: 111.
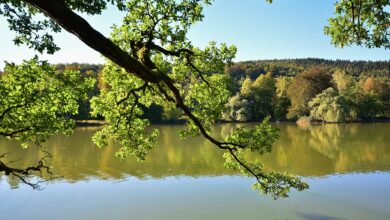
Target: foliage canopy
x: 38, y: 101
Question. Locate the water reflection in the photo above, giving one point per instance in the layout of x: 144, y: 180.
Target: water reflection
x: 327, y: 149
x: 315, y: 151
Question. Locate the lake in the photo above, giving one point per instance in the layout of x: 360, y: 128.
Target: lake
x: 347, y: 167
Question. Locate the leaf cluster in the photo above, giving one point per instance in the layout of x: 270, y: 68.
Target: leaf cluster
x: 39, y: 101
x: 361, y: 22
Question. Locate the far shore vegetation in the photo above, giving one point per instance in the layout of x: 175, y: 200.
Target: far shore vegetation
x: 307, y: 90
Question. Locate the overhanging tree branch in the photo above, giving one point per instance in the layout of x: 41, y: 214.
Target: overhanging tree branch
x: 75, y: 24
x: 139, y: 63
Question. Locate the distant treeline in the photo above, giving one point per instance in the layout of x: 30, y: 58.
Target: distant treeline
x: 291, y: 67
x: 316, y: 89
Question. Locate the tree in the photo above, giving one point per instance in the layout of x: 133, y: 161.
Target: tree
x: 239, y: 108
x: 260, y: 95
x: 264, y: 96
x: 366, y: 99
x: 246, y: 87
x: 304, y: 87
x: 150, y: 56
x: 39, y: 101
x: 282, y: 101
x: 342, y: 81
x: 328, y: 106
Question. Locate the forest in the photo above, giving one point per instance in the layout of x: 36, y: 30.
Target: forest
x: 309, y: 89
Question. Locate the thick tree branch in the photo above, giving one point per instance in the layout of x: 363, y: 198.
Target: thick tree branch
x: 188, y: 53
x: 13, y: 133
x: 169, y: 52
x: 75, y: 24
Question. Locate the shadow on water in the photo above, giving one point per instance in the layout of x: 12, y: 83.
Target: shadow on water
x: 313, y: 216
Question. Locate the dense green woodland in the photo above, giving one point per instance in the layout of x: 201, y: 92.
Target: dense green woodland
x: 291, y: 67
x: 319, y: 89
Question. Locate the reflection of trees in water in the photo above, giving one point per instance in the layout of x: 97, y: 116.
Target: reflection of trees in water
x: 332, y: 148
x: 326, y: 139
x: 77, y: 158
x: 292, y: 153
x: 316, y: 151
x: 281, y: 156
x: 354, y: 146
x: 12, y: 181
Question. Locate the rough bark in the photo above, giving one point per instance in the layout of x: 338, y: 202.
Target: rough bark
x: 75, y: 24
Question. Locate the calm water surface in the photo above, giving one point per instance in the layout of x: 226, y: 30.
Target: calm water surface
x: 347, y: 167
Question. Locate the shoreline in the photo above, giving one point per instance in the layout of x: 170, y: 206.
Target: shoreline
x: 98, y: 123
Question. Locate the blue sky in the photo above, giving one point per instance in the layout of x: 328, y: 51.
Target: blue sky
x: 284, y: 29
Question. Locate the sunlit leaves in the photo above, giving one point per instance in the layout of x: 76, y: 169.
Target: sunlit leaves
x: 361, y: 22
x: 36, y: 31
x: 120, y: 105
x: 36, y: 101
x: 165, y: 20
x: 207, y: 101
x: 33, y: 32
x: 258, y: 139
x: 279, y: 184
